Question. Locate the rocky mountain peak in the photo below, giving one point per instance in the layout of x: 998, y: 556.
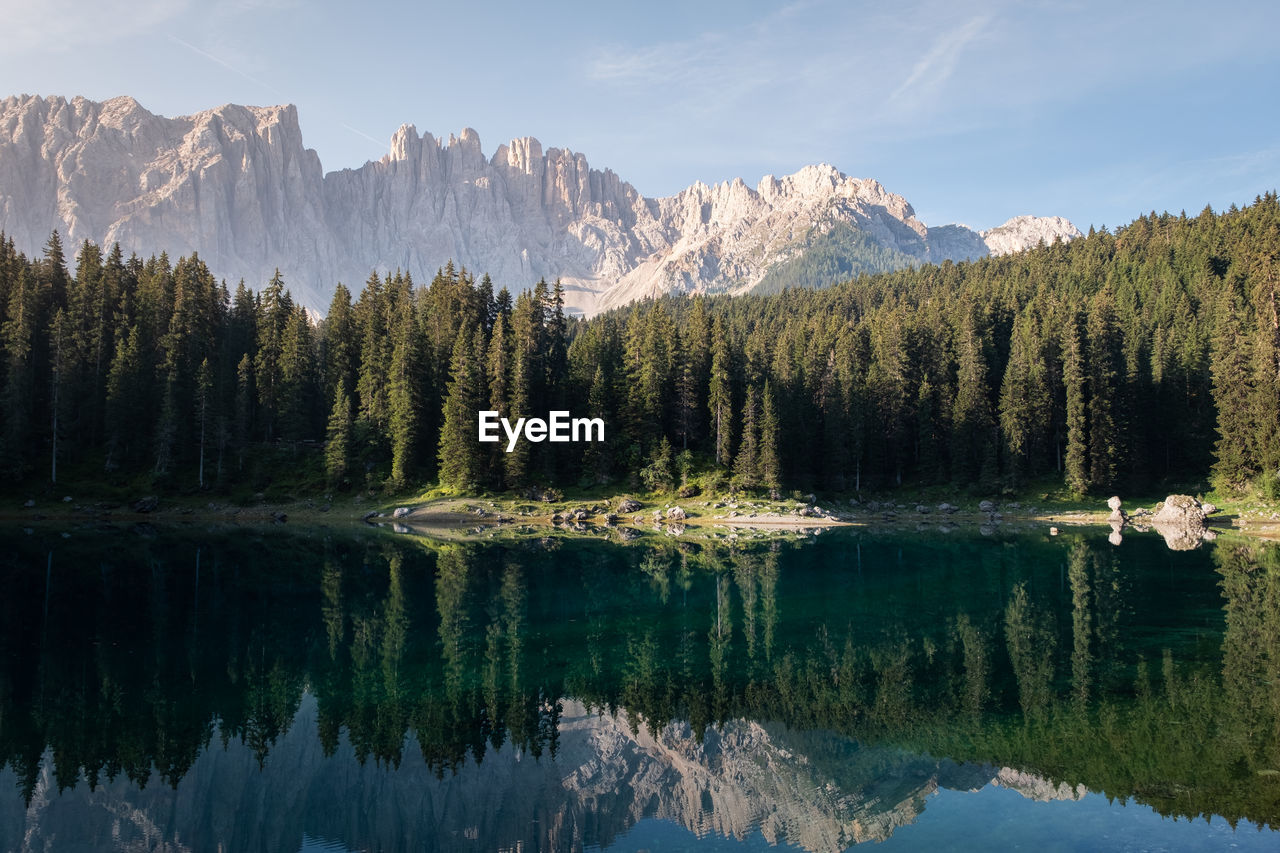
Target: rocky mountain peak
x: 1024, y: 232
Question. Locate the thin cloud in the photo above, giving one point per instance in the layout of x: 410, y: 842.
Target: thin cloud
x: 363, y: 134
x: 57, y: 26
x: 939, y: 63
x: 229, y: 66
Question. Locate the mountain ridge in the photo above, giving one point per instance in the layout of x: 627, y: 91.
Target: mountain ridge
x: 237, y: 185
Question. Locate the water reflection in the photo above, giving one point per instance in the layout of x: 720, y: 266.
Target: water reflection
x: 397, y: 694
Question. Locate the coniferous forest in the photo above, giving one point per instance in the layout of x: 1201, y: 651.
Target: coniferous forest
x: 1116, y: 362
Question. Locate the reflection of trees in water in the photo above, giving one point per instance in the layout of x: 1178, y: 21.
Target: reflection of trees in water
x: 467, y: 648
x: 1030, y: 637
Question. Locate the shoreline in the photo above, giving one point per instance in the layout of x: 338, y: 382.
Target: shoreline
x: 461, y: 518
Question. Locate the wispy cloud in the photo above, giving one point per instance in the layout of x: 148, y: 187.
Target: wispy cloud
x: 233, y: 67
x: 938, y: 64
x: 57, y: 26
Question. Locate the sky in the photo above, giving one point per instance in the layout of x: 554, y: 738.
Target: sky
x: 975, y: 112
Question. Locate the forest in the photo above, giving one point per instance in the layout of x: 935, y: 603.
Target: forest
x: 1122, y: 360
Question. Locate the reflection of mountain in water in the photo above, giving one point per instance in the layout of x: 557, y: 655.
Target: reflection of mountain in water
x: 743, y: 777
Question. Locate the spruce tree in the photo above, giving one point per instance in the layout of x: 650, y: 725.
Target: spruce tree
x: 462, y: 463
x: 720, y: 394
x: 973, y: 434
x: 19, y: 334
x: 746, y: 466
x: 1073, y: 378
x: 403, y: 398
x: 337, y: 448
x: 1103, y: 371
x: 770, y: 440
x: 1235, y: 391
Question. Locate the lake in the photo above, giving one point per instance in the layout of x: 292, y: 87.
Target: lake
x: 309, y: 689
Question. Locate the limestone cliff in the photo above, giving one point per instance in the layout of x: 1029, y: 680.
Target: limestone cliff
x: 236, y: 185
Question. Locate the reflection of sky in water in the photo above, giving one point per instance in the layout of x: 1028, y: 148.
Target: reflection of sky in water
x: 1000, y: 819
x: 997, y: 818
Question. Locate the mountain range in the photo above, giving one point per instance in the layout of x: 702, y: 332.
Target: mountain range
x: 236, y: 185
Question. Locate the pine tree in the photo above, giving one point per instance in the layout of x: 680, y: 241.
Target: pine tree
x: 973, y: 435
x: 1103, y: 370
x: 1024, y: 402
x: 770, y: 439
x: 273, y: 317
x: 127, y: 382
x: 597, y: 460
x: 296, y: 392
x: 499, y: 369
x: 1234, y: 390
x: 242, y: 427
x: 204, y: 389
x: 19, y: 334
x: 404, y: 399
x: 337, y: 448
x: 1073, y: 378
x: 720, y: 394
x: 746, y: 466
x: 462, y: 464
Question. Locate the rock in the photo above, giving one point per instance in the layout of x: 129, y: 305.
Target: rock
x: 1113, y: 503
x: 1181, y: 521
x: 1053, y: 531
x: 611, y: 519
x: 628, y: 506
x: 66, y: 499
x: 30, y: 503
x: 371, y: 514
x: 676, y: 513
x: 148, y: 504
x: 986, y: 506
x: 1181, y: 510
x: 922, y: 509
x: 279, y: 517
x: 627, y: 534
x: 946, y: 507
x: 1208, y: 508
x: 401, y: 512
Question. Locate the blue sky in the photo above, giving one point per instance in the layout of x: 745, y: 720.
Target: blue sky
x: 975, y: 112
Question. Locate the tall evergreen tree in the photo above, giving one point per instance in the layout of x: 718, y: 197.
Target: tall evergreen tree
x: 1073, y: 378
x: 462, y: 463
x: 720, y: 394
x: 337, y: 448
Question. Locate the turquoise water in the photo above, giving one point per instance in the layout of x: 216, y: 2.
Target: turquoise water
x: 318, y: 690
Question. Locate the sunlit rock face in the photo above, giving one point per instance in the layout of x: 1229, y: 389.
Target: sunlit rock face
x: 236, y: 185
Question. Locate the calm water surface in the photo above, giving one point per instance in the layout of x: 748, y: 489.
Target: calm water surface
x: 317, y: 690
